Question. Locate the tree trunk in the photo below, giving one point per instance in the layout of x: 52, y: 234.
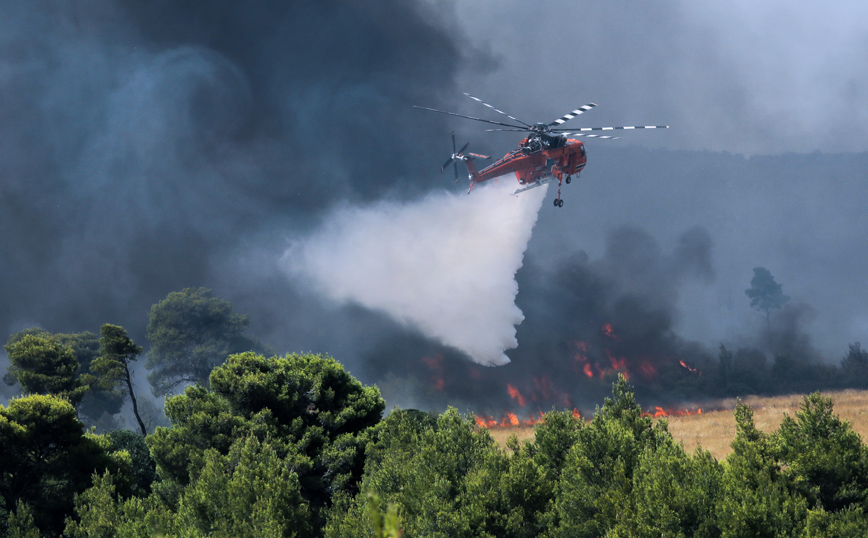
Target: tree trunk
x: 133, y: 399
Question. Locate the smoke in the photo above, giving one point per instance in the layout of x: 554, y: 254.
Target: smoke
x: 587, y: 320
x: 445, y: 264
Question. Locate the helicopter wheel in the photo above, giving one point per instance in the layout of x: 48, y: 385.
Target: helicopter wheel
x: 560, y: 203
x: 556, y: 202
x: 569, y: 179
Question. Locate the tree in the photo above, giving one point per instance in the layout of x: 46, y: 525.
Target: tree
x: 765, y: 294
x: 855, y: 365
x: 142, y: 471
x: 42, y: 365
x: 113, y: 364
x: 449, y: 480
x: 191, y: 332
x: 315, y: 414
x: 758, y: 498
x: 823, y: 456
x: 47, y: 374
x: 45, y: 458
x: 596, y: 485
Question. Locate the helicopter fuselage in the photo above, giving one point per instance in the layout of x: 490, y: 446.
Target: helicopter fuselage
x: 537, y: 158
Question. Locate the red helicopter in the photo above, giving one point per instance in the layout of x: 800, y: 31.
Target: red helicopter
x: 545, y: 155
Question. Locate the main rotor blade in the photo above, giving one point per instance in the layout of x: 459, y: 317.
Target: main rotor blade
x: 455, y: 166
x: 469, y: 117
x: 453, y: 143
x: 581, y: 110
x: 442, y: 168
x: 510, y: 130
x: 627, y: 128
x: 496, y: 110
x: 592, y: 135
x: 460, y: 151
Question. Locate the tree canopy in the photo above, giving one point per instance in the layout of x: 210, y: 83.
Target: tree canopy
x: 310, y: 411
x: 112, y: 366
x: 765, y: 294
x: 191, y: 332
x: 43, y: 365
x: 46, y: 458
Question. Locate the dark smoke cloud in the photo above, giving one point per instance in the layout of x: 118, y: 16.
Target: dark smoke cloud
x: 148, y: 147
x: 143, y: 144
x: 586, y: 321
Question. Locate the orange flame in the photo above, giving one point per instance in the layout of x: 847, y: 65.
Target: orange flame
x: 648, y: 369
x: 689, y: 369
x: 661, y: 412
x: 510, y: 420
x: 516, y: 395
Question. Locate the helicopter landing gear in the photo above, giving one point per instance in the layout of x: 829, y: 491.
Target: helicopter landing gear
x: 558, y: 202
x: 569, y: 178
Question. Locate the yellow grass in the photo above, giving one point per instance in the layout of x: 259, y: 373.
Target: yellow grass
x: 714, y: 430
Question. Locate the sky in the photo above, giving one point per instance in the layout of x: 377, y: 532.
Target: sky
x: 145, y: 148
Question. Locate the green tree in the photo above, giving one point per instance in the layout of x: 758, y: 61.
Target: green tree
x: 21, y: 524
x: 112, y: 367
x: 249, y: 492
x: 758, y: 498
x: 142, y: 471
x: 45, y: 458
x: 765, y: 294
x: 102, y: 400
x: 446, y: 481
x: 553, y: 439
x: 44, y: 369
x: 315, y: 414
x: 42, y: 365
x: 102, y: 512
x: 595, y: 489
x: 191, y: 332
x: 674, y: 494
x: 823, y: 457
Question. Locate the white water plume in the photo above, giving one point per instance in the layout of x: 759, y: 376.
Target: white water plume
x: 445, y: 264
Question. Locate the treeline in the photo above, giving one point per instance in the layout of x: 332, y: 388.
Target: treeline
x: 750, y: 370
x: 295, y: 446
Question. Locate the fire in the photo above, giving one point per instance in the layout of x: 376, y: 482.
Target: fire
x: 516, y: 395
x: 588, y: 371
x: 435, y: 365
x: 661, y: 412
x: 648, y: 369
x: 689, y: 369
x: 607, y: 330
x: 510, y: 420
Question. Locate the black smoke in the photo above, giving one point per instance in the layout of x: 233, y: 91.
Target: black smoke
x: 147, y: 146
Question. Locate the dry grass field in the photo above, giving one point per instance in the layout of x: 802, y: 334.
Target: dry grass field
x: 714, y: 430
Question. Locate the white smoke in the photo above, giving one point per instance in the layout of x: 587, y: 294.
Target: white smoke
x: 445, y: 264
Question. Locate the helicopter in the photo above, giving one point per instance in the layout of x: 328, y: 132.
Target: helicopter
x: 546, y: 154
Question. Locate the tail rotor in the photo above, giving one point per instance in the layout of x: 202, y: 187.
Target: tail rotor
x: 458, y: 155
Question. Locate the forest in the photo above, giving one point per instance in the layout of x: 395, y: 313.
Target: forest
x: 252, y: 443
